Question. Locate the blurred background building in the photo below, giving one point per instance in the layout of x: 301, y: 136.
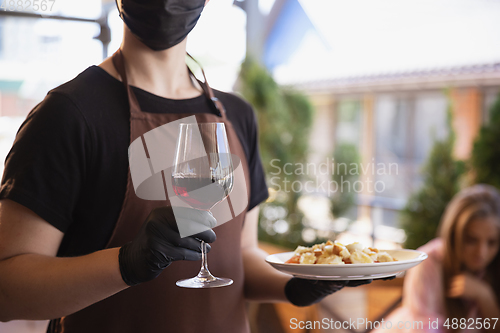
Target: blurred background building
x: 379, y: 76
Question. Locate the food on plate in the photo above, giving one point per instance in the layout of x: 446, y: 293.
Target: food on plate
x: 335, y: 253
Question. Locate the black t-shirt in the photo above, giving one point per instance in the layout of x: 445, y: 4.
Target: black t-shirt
x: 69, y: 161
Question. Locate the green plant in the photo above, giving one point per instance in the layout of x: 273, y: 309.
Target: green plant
x: 284, y: 117
x: 485, y: 157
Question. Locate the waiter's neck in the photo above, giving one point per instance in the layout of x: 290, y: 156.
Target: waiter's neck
x: 163, y: 73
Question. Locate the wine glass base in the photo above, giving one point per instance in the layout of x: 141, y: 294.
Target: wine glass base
x: 211, y: 282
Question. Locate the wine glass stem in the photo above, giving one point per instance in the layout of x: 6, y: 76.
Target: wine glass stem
x: 204, y: 272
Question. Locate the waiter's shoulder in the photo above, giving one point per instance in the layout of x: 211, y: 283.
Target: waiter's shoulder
x: 93, y: 90
x: 237, y: 108
x: 233, y: 100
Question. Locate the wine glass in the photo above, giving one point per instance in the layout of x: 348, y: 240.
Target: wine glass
x: 202, y: 176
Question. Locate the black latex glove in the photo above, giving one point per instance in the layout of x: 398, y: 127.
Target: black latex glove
x: 304, y: 292
x: 158, y: 243
x: 356, y: 283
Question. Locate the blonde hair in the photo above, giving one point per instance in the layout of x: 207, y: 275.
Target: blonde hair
x: 478, y: 201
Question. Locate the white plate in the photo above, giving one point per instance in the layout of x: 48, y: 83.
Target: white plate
x: 406, y: 259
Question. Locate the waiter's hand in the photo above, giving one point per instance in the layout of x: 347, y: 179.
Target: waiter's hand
x: 158, y: 243
x: 304, y: 292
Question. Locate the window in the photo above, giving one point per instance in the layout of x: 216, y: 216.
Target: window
x: 406, y: 127
x: 394, y: 116
x: 490, y: 96
x: 348, y: 122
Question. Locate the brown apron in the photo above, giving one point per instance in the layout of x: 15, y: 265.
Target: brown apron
x: 159, y: 305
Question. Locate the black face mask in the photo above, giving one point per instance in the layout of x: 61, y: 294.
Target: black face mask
x: 161, y: 24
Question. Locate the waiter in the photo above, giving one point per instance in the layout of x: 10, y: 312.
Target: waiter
x: 77, y: 246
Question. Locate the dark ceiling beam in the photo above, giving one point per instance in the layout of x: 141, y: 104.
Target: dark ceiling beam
x: 104, y: 35
x: 43, y: 16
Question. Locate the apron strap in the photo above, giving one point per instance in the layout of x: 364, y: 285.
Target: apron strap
x: 119, y: 63
x: 208, y: 90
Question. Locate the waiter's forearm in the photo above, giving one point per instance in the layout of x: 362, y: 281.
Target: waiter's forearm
x: 262, y: 282
x: 41, y: 287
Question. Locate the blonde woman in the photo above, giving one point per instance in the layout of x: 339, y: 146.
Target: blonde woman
x: 461, y: 277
